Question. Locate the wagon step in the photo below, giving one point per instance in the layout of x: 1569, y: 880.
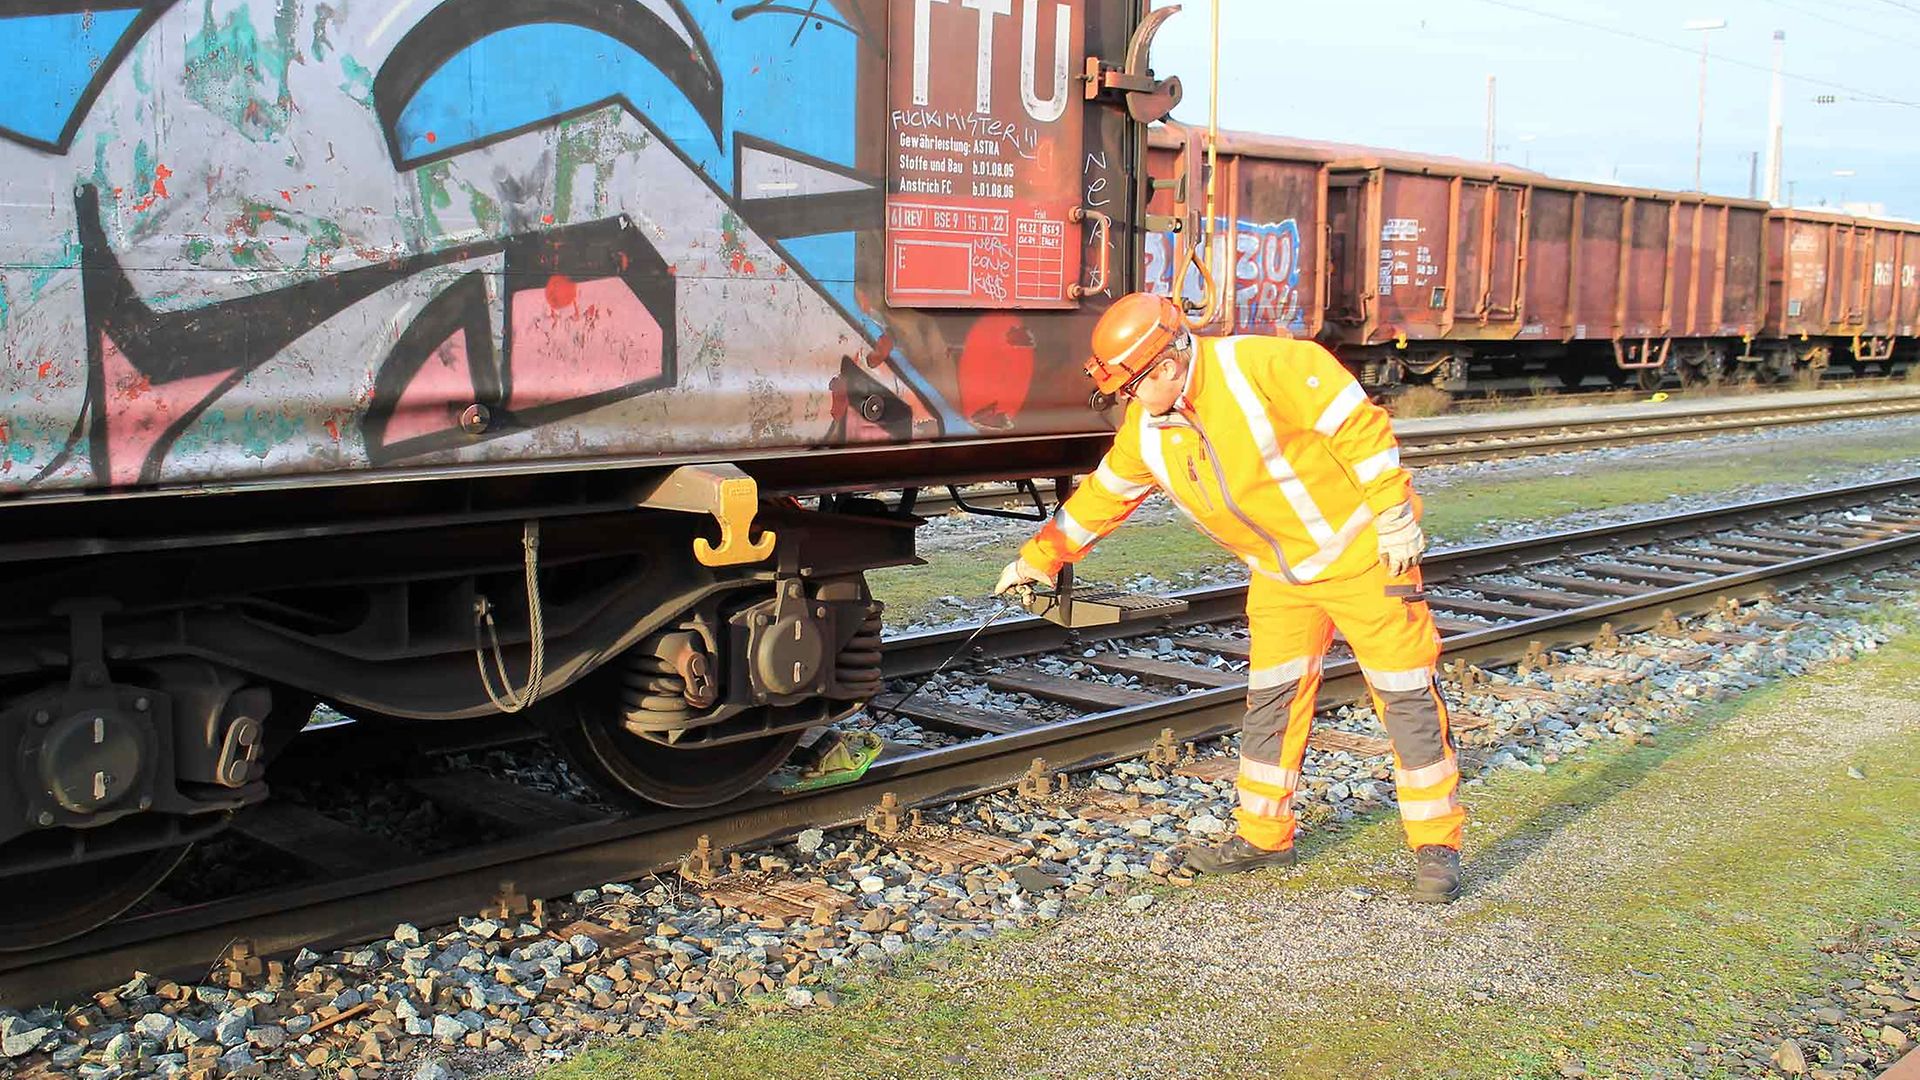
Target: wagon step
x: 1099, y: 606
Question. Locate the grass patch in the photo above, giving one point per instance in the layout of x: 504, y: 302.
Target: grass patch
x: 1418, y: 401
x: 1459, y: 511
x: 1675, y: 885
x: 1709, y: 881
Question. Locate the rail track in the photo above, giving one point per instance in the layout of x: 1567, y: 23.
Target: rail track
x: 1492, y: 602
x: 1500, y: 436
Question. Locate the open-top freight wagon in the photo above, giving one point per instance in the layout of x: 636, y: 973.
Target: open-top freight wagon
x: 437, y: 358
x: 1840, y: 288
x: 1417, y: 268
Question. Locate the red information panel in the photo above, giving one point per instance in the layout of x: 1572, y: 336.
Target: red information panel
x: 984, y: 136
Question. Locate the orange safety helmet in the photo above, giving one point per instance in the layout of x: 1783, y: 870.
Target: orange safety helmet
x: 1130, y: 337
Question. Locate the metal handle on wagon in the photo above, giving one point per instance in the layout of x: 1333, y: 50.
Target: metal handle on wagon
x: 1103, y: 232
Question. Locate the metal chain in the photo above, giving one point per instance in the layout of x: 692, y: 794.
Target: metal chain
x: 507, y: 699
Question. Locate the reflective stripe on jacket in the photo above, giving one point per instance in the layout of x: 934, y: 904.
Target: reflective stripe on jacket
x: 1273, y: 450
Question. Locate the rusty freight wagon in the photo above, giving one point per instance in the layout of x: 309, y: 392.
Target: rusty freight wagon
x: 440, y: 358
x: 1840, y: 288
x: 1422, y: 268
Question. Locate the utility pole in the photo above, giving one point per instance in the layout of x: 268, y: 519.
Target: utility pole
x: 1705, y: 26
x: 1790, y: 187
x: 1489, y: 118
x: 1776, y: 116
x: 1753, y: 175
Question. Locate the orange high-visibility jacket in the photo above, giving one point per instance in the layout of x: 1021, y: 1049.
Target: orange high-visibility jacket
x: 1274, y: 451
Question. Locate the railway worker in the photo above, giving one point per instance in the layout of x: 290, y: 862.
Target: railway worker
x: 1272, y: 449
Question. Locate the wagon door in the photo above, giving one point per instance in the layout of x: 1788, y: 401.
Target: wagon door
x: 1883, y: 296
x: 1276, y: 248
x: 1507, y: 249
x: 1348, y: 293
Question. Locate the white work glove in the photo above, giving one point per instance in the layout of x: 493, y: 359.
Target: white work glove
x: 1401, y: 540
x: 1019, y: 572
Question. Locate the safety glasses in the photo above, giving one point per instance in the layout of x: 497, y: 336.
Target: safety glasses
x: 1117, y: 381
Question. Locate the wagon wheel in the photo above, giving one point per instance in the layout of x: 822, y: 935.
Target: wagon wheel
x: 50, y: 906
x: 1707, y: 368
x: 1649, y: 379
x: 586, y: 722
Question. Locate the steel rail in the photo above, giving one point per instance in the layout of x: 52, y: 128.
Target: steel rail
x: 920, y: 652
x: 1491, y: 442
x: 333, y: 913
x: 1521, y: 438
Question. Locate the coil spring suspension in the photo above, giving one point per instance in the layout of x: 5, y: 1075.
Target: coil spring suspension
x: 857, y: 668
x: 667, y: 679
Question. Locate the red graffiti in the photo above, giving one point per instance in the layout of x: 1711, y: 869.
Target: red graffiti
x: 158, y: 192
x: 561, y: 291
x: 996, y: 370
x: 333, y: 428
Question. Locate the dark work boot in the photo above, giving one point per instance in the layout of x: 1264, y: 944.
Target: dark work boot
x: 1236, y: 855
x: 1436, y: 878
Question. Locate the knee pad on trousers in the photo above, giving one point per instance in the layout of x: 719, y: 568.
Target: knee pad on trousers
x: 1268, y: 711
x: 1412, y: 721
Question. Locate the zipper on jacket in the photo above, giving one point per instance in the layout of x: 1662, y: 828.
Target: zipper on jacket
x: 1226, y: 494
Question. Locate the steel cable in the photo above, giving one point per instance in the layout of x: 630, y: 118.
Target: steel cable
x: 507, y: 699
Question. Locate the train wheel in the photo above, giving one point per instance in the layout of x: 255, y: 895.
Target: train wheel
x: 644, y: 773
x: 1709, y: 368
x: 50, y: 906
x: 1649, y: 379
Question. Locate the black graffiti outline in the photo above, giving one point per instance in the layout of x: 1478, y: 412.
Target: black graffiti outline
x: 166, y: 347
x: 449, y: 29
x: 810, y: 13
x: 850, y: 20
x: 149, y: 12
x: 855, y: 387
x: 591, y: 251
x: 782, y: 216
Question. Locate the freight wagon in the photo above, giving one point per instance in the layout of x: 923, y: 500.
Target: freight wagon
x: 440, y: 358
x: 1840, y: 288
x: 1418, y: 268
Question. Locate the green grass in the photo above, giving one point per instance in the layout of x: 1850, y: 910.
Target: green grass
x: 1678, y: 886
x: 1452, y: 514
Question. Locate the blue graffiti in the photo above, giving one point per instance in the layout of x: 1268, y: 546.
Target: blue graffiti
x: 1267, y: 266
x: 798, y: 90
x: 48, y: 66
x: 786, y: 75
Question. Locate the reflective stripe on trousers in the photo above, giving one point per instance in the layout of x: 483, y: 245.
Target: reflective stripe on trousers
x: 1397, y: 649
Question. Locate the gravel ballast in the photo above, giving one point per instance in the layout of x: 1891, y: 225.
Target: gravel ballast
x: 637, y: 958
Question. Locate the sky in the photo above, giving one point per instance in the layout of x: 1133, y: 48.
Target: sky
x: 1602, y: 90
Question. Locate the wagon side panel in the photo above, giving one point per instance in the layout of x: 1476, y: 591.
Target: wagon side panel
x: 1549, y: 266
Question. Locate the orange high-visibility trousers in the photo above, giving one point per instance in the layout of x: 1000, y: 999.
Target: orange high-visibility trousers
x: 1397, y: 649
